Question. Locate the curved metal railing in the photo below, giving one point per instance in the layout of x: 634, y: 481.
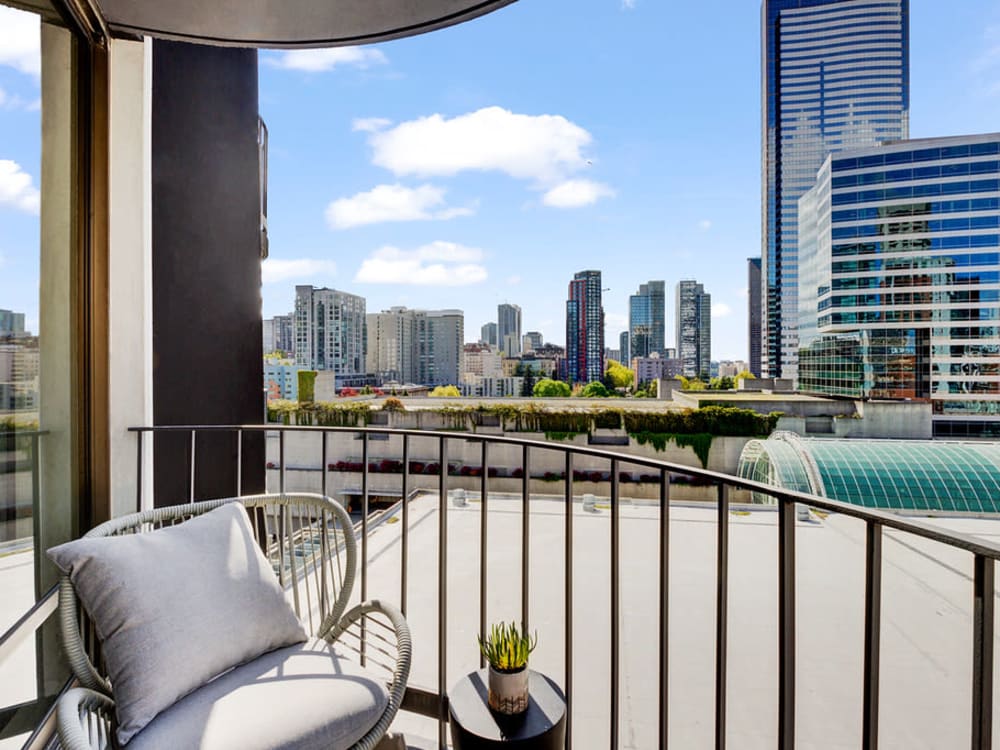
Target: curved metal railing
x: 434, y: 704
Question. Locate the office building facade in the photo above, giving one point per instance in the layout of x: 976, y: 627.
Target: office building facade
x: 329, y: 330
x: 532, y: 341
x: 488, y: 334
x: 416, y: 346
x: 584, y: 328
x: 647, y: 319
x: 754, y: 314
x: 900, y: 292
x: 694, y: 329
x: 509, y: 329
x: 835, y: 76
x: 11, y: 323
x: 625, y: 346
x: 279, y: 334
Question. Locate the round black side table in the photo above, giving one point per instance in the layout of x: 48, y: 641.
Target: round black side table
x: 475, y: 726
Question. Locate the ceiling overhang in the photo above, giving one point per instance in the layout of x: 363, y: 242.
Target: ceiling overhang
x: 287, y: 23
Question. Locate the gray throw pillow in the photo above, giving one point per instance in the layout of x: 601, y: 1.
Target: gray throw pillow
x: 177, y: 606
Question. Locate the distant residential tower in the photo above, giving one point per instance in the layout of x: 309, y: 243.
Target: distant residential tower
x: 585, y: 328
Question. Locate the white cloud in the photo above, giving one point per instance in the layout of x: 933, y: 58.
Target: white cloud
x: 391, y: 203
x: 543, y: 148
x: 321, y: 60
x: 705, y: 225
x: 436, y: 264
x: 20, y: 41
x: 576, y: 193
x: 8, y: 101
x: 628, y: 4
x: 274, y: 270
x: 370, y: 124
x: 17, y: 189
x: 721, y: 310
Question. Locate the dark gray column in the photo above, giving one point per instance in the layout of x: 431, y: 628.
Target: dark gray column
x: 207, y: 358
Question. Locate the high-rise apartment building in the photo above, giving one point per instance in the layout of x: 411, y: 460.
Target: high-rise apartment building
x: 329, y: 330
x: 647, y: 319
x: 416, y: 346
x: 488, y: 334
x: 532, y: 341
x: 754, y: 313
x: 835, y: 76
x: 900, y: 286
x: 509, y: 329
x: 585, y: 328
x: 625, y: 346
x: 279, y: 334
x: 11, y: 323
x: 694, y: 328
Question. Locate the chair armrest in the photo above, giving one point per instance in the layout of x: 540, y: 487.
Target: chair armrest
x: 84, y: 720
x: 378, y: 633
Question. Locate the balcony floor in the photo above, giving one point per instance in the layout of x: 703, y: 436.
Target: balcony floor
x: 926, y: 621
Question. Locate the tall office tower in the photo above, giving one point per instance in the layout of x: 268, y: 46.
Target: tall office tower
x: 532, y: 341
x: 646, y: 319
x: 509, y: 329
x: 694, y: 328
x: 416, y: 346
x: 900, y: 284
x: 624, y: 346
x: 585, y: 328
x: 488, y: 334
x: 329, y: 330
x: 835, y: 75
x: 11, y: 323
x: 754, y: 313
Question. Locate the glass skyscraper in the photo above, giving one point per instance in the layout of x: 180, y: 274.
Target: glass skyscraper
x: 647, y: 319
x: 900, y: 287
x: 585, y: 328
x: 694, y: 329
x: 834, y: 76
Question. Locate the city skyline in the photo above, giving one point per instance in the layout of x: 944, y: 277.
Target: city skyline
x: 684, y: 167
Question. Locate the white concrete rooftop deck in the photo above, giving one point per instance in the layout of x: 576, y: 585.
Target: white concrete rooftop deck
x: 926, y: 620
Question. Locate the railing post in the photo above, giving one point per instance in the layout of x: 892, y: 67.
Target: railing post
x: 194, y: 435
x: 239, y: 462
x: 664, y: 607
x: 568, y: 637
x: 442, y: 588
x: 982, y: 653
x: 525, y: 536
x: 873, y: 629
x: 325, y: 468
x: 405, y: 551
x: 483, y: 545
x: 721, y: 614
x: 364, y: 516
x: 138, y: 470
x: 615, y: 602
x: 786, y: 624
x: 281, y: 462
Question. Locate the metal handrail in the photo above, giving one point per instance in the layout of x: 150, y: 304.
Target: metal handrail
x: 28, y: 623
x: 435, y: 704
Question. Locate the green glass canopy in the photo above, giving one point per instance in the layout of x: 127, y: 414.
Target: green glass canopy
x: 923, y: 475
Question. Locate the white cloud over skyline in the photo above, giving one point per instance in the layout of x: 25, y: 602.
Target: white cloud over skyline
x: 396, y: 202
x: 370, y: 124
x: 274, y: 270
x: 576, y: 193
x: 322, y: 60
x: 20, y: 41
x: 541, y: 148
x: 436, y: 264
x: 17, y: 189
x: 721, y: 310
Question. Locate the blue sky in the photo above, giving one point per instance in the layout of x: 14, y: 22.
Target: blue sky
x: 489, y: 162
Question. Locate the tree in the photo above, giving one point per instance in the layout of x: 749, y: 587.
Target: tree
x: 619, y: 375
x: 595, y: 389
x: 692, y: 384
x: 548, y: 388
x: 528, y: 385
x: 445, y: 391
x: 745, y: 375
x: 723, y: 383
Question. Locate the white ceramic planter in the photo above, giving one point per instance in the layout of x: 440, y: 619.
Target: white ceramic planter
x: 508, y: 691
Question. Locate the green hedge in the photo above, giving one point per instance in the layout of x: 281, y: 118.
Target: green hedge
x: 712, y: 420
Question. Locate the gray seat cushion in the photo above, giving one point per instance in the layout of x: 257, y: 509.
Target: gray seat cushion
x: 302, y: 697
x: 177, y: 606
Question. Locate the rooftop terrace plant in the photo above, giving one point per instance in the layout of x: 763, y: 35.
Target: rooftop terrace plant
x: 506, y: 647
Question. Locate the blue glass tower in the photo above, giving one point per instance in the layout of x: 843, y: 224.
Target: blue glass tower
x: 646, y: 319
x: 834, y: 76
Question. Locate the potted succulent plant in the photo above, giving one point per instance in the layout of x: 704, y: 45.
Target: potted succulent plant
x: 506, y: 648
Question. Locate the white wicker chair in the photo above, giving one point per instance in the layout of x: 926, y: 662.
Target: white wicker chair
x: 310, y: 541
